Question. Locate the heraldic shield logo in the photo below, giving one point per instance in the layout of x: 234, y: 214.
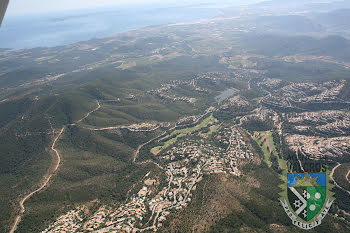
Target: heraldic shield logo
x: 307, y: 200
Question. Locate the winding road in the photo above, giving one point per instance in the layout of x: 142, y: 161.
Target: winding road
x: 54, y: 167
x: 51, y: 171
x: 336, y: 184
x: 136, y: 153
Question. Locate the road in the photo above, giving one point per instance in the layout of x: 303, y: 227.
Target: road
x: 164, y: 133
x: 89, y: 113
x: 46, y: 180
x: 231, y: 140
x: 336, y: 184
x: 121, y: 127
x: 297, y: 154
x: 51, y: 171
x: 136, y: 153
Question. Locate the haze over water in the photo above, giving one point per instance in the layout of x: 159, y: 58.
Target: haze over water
x: 48, y: 30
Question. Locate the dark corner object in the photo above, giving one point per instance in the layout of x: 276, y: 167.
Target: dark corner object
x: 3, y: 7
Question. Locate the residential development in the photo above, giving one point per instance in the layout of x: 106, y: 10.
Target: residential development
x: 184, y: 164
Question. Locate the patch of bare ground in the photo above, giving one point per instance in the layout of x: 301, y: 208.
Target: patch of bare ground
x: 278, y: 228
x: 248, y: 230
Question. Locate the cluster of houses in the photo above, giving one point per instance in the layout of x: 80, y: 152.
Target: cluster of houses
x: 70, y: 222
x: 318, y: 147
x: 164, y: 92
x: 185, y: 164
x: 319, y: 134
x: 143, y: 127
x: 325, y: 122
x: 306, y: 92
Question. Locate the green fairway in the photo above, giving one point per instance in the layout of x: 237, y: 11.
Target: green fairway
x: 182, y: 132
x: 204, y: 123
x: 269, y: 143
x: 263, y: 147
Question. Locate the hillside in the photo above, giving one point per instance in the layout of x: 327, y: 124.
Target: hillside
x: 187, y: 127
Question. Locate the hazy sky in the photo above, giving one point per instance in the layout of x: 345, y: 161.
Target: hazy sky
x: 40, y: 6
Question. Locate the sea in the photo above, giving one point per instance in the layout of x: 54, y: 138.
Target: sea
x: 55, y: 29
